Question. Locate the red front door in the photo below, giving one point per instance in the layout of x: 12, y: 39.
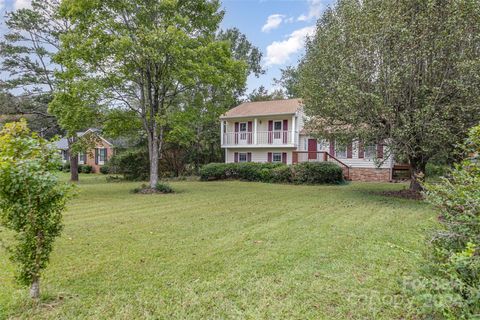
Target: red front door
x: 312, y: 149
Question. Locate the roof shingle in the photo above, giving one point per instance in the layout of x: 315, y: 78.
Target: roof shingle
x: 262, y: 108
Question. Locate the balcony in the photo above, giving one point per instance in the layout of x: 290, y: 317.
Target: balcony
x: 260, y: 139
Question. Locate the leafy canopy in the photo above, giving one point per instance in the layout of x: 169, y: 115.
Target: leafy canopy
x: 31, y: 197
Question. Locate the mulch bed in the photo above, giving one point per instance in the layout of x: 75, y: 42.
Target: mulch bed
x: 148, y: 191
x: 405, y: 194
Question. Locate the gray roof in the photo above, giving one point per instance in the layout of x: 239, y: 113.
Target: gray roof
x: 62, y: 144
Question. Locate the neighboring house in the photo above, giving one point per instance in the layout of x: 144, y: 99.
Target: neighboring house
x: 273, y: 131
x: 95, y: 157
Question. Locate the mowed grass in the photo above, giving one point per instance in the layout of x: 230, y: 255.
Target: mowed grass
x: 227, y: 250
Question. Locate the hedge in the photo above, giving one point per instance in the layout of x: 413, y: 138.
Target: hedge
x: 303, y: 173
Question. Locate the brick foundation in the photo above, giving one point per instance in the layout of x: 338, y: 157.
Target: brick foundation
x: 370, y: 174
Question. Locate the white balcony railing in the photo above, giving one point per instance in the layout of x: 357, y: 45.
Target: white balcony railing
x: 263, y: 138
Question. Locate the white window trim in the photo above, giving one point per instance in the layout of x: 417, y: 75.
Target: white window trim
x: 101, y: 162
x: 240, y: 157
x: 80, y: 161
x: 278, y: 154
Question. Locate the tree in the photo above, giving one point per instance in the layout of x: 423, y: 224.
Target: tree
x: 195, y: 129
x: 31, y: 199
x: 28, y: 52
x: 146, y: 53
x: 262, y: 94
x: 289, y: 82
x: 449, y: 286
x: 401, y: 72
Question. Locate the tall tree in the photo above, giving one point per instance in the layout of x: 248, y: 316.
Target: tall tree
x: 147, y: 53
x: 28, y: 51
x: 289, y: 82
x: 26, y: 56
x: 400, y: 71
x: 262, y: 94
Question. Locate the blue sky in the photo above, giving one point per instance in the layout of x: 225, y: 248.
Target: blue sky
x: 277, y: 27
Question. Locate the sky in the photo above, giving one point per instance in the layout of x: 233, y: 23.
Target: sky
x: 277, y: 27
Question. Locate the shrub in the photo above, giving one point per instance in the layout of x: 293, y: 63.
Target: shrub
x: 436, y: 170
x: 66, y: 167
x: 83, y: 168
x: 105, y: 169
x: 163, y: 187
x: 310, y: 173
x: 133, y: 164
x: 450, y: 287
x: 317, y: 172
x: 281, y: 174
x: 249, y: 171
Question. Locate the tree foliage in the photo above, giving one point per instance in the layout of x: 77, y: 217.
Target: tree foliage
x: 145, y: 54
x: 289, y: 82
x: 262, y: 94
x: 405, y: 72
x: 27, y: 50
x: 451, y: 287
x: 31, y: 199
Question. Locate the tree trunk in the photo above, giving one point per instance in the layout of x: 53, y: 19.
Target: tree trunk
x: 35, y: 289
x: 417, y: 174
x: 153, y: 150
x: 73, y: 167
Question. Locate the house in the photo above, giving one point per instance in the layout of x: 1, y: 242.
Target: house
x: 273, y: 131
x: 95, y: 157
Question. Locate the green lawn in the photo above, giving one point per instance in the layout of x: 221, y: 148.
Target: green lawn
x: 227, y: 250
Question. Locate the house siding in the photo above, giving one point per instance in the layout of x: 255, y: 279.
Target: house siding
x: 258, y: 155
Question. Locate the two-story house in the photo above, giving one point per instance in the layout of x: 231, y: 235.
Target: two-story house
x: 273, y: 131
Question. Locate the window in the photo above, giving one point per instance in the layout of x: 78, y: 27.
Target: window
x: 65, y: 155
x: 82, y: 158
x: 322, y: 145
x: 243, y: 131
x: 341, y: 151
x: 370, y: 152
x: 277, y: 128
x: 102, y: 155
x: 277, y: 157
x: 242, y: 157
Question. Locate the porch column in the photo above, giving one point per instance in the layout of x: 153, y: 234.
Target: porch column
x: 222, y: 124
x: 293, y: 130
x: 255, y: 141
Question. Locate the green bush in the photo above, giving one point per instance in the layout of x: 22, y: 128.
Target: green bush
x: 163, y: 187
x: 249, y: 171
x: 66, y: 167
x: 133, y: 164
x: 450, y: 286
x: 309, y: 173
x: 83, y: 168
x: 105, y: 169
x: 436, y: 170
x: 281, y: 174
x: 317, y: 173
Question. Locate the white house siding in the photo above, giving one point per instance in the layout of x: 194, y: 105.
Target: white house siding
x: 258, y: 154
x: 355, y: 161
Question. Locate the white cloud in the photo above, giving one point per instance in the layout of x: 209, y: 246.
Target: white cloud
x: 22, y: 4
x: 314, y: 11
x: 273, y: 22
x: 279, y: 52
